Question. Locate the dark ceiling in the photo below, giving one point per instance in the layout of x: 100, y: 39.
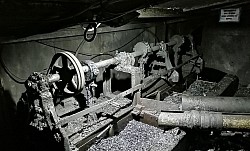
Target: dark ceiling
x: 26, y: 17
x: 20, y: 18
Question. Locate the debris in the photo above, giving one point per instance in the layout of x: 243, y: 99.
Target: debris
x: 200, y: 88
x: 139, y: 136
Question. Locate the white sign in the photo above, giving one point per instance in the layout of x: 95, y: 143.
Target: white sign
x: 230, y: 15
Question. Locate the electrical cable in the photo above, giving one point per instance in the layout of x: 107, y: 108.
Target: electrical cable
x: 54, y: 48
x: 77, y: 49
x: 11, y: 74
x: 98, y: 21
x: 17, y: 79
x: 63, y: 49
x: 96, y: 55
x: 106, y: 53
x: 126, y: 43
x: 195, y: 62
x: 109, y: 12
x: 93, y: 6
x: 113, y: 18
x: 73, y: 16
x: 101, y: 55
x: 153, y: 34
x: 116, y: 17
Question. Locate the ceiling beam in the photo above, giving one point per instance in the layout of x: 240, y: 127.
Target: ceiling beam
x: 157, y: 12
x: 216, y: 4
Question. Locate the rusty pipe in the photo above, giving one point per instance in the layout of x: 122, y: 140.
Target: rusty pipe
x: 236, y: 122
x: 217, y: 104
x: 204, y: 119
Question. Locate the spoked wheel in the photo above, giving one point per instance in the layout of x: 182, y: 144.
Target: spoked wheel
x: 69, y: 68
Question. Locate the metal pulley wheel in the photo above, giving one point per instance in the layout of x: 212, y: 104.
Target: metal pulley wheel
x: 69, y: 68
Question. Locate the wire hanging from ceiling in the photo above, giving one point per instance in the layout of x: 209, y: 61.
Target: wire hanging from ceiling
x: 14, y: 77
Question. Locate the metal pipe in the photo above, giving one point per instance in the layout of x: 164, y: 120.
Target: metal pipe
x: 104, y: 63
x: 236, y: 122
x: 204, y: 119
x: 191, y: 119
x: 218, y: 104
x: 115, y: 60
x: 140, y: 52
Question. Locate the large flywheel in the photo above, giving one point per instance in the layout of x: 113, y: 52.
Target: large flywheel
x: 69, y: 68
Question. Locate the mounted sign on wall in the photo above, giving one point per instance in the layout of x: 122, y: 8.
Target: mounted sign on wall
x: 230, y: 15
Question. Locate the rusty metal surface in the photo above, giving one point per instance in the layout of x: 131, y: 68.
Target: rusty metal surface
x: 77, y: 126
x: 204, y: 120
x: 150, y: 117
x: 236, y: 122
x: 41, y: 102
x: 191, y: 119
x: 217, y: 104
x: 67, y: 71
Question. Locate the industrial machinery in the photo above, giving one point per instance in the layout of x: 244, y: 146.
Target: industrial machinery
x: 63, y: 106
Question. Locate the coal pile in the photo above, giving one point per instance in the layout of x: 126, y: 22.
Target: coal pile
x: 243, y: 92
x: 200, y: 88
x: 174, y: 98
x: 114, y: 106
x: 140, y: 137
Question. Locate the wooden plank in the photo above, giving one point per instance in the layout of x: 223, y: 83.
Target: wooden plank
x: 98, y: 106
